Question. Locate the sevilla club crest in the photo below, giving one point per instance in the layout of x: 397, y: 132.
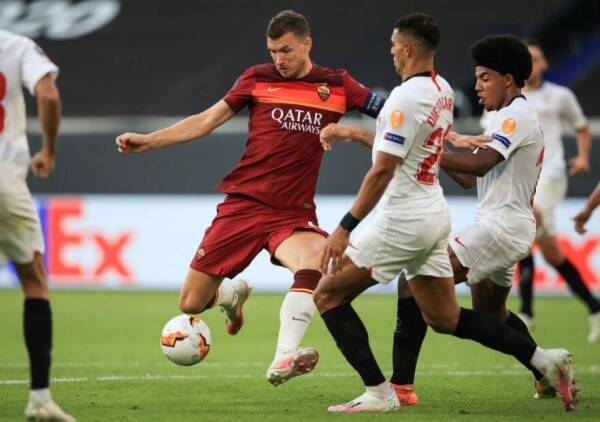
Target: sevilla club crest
x: 323, y: 92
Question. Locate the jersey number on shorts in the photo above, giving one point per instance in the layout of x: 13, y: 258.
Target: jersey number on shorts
x: 429, y: 168
x: 2, y: 95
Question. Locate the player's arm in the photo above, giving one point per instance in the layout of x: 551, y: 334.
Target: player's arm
x: 570, y: 110
x: 49, y: 113
x: 466, y: 181
x: 193, y: 127
x: 476, y: 164
x: 371, y: 190
x: 581, y: 163
x: 468, y: 141
x: 334, y: 132
x: 584, y: 215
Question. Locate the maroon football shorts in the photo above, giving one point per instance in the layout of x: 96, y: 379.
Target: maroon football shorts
x: 242, y: 228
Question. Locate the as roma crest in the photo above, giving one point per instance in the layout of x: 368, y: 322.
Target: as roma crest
x: 323, y: 92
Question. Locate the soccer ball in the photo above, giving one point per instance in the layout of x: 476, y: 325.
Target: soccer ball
x: 185, y: 340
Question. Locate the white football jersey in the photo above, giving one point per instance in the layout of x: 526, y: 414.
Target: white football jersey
x: 412, y: 125
x: 554, y: 105
x: 22, y: 64
x: 506, y: 192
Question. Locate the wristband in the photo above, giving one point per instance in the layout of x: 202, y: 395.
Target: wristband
x: 349, y: 222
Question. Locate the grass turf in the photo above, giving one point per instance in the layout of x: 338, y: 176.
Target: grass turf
x: 107, y: 365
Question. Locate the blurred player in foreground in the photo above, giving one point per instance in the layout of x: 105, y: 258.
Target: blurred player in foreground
x: 270, y: 194
x: 24, y: 64
x: 555, y: 104
x: 410, y: 231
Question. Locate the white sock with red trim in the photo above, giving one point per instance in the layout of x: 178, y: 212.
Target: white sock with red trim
x: 297, y: 310
x: 226, y: 296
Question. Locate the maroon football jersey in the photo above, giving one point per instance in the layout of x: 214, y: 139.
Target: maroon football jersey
x: 283, y: 153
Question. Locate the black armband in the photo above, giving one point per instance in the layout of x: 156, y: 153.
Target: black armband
x: 372, y: 105
x: 349, y: 222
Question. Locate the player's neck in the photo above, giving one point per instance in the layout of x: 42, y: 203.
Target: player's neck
x: 415, y: 67
x: 510, y: 96
x: 305, y: 70
x: 532, y: 85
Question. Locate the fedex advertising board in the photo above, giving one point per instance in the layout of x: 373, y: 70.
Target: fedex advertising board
x: 147, y: 242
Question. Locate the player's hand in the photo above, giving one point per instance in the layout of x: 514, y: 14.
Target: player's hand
x: 333, y: 251
x: 42, y: 164
x: 132, y: 142
x: 580, y: 220
x: 470, y: 141
x: 578, y: 165
x: 334, y: 132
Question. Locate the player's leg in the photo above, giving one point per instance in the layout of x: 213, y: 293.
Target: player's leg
x: 333, y: 298
x: 21, y: 242
x: 526, y: 273
x: 490, y: 297
x: 37, y: 326
x: 437, y: 301
x: 409, y: 334
x: 300, y: 254
x: 554, y: 256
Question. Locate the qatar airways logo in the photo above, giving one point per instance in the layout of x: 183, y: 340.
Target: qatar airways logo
x: 298, y: 120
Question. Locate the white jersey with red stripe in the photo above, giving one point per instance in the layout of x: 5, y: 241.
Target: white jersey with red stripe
x: 505, y: 193
x: 412, y: 125
x: 22, y: 64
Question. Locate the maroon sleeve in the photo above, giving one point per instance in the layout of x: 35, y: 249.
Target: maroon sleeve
x: 240, y: 93
x: 356, y: 93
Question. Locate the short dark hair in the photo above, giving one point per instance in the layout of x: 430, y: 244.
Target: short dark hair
x: 505, y: 54
x: 288, y: 21
x: 421, y: 26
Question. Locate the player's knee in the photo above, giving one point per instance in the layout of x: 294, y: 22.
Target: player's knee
x: 440, y: 323
x: 325, y: 299
x: 188, y: 305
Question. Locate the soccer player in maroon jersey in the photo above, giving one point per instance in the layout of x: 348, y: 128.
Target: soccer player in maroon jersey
x: 270, y: 194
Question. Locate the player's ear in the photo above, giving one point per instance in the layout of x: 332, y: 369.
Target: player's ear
x: 307, y: 43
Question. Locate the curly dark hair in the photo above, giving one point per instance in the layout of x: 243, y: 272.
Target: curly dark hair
x: 506, y: 54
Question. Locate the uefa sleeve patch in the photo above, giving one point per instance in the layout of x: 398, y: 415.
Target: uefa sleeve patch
x: 394, y: 138
x: 502, y: 139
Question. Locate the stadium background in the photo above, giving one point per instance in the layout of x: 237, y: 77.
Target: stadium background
x: 135, y: 222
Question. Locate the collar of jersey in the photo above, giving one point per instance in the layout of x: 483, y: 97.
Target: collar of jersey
x: 514, y: 98
x: 428, y: 74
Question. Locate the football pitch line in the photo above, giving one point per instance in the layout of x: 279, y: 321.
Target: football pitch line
x: 590, y: 369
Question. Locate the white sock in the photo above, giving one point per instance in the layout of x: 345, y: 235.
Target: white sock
x: 226, y: 296
x: 382, y: 390
x: 540, y: 360
x: 295, y: 315
x: 40, y: 394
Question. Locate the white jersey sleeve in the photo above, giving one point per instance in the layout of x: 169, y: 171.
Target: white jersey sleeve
x: 570, y: 110
x: 507, y: 132
x: 35, y: 65
x: 400, y: 127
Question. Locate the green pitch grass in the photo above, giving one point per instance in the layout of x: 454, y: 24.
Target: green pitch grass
x: 108, y: 365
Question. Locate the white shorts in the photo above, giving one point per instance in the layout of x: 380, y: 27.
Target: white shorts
x: 416, y: 243
x: 490, y: 251
x: 20, y: 230
x: 549, y: 193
